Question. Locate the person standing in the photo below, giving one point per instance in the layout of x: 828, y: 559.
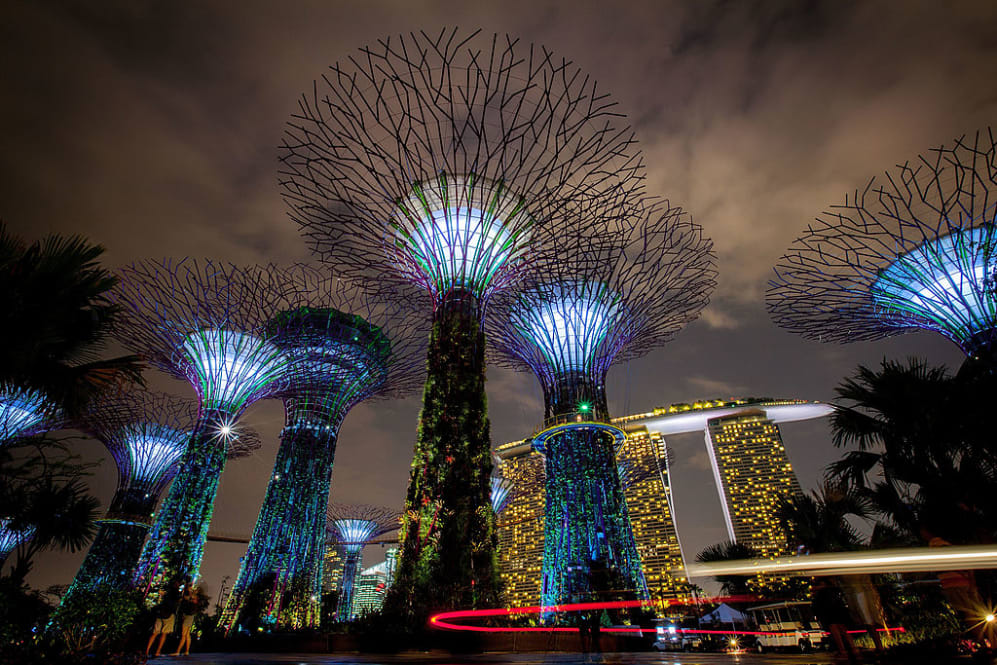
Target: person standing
x: 165, y: 612
x: 191, y: 602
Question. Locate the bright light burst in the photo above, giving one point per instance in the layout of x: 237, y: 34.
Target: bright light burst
x: 946, y: 284
x: 231, y: 367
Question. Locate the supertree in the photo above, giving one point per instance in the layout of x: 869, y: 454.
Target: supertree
x: 146, y: 434
x: 11, y: 538
x: 571, y: 321
x: 24, y: 412
x: 202, y: 323
x: 916, y: 249
x: 434, y: 160
x: 346, y: 344
x: 353, y: 526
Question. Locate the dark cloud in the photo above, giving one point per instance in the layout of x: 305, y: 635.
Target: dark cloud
x: 152, y: 128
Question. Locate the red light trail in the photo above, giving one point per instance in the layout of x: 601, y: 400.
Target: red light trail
x: 443, y: 620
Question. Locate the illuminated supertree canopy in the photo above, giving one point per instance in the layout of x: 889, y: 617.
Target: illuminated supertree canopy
x: 916, y: 249
x: 24, y: 412
x: 435, y: 161
x: 203, y: 323
x: 353, y: 526
x: 146, y: 434
x: 11, y: 538
x: 573, y: 319
x: 346, y: 344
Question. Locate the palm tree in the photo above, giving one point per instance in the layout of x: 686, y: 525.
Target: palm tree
x: 818, y: 522
x: 730, y: 585
x: 45, y: 494
x: 56, y: 319
x: 921, y: 455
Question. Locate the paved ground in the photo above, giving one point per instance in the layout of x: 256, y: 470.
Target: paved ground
x: 498, y: 659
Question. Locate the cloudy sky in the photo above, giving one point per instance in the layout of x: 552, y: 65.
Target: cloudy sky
x: 152, y: 128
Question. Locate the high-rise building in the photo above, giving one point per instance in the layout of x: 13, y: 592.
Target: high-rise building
x: 749, y: 464
x: 371, y: 586
x: 747, y: 455
x: 332, y: 566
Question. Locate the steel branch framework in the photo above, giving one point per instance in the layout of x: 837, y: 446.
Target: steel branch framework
x: 353, y: 526
x: 203, y: 323
x: 445, y: 161
x: 347, y: 343
x: 573, y: 319
x: 915, y: 249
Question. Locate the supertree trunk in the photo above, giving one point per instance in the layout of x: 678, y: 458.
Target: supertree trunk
x: 448, y: 503
x: 589, y: 548
x: 348, y: 586
x: 180, y: 529
x: 289, y: 537
x: 114, y: 553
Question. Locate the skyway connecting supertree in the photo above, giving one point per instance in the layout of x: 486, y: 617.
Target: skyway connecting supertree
x: 353, y: 526
x: 346, y: 344
x: 570, y: 323
x: 916, y: 249
x: 434, y: 161
x: 146, y: 434
x: 24, y: 412
x: 202, y: 323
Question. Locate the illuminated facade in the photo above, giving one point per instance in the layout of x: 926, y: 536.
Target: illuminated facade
x: 754, y: 475
x: 747, y: 456
x: 372, y: 585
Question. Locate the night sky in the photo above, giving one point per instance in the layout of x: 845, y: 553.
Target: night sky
x: 152, y: 128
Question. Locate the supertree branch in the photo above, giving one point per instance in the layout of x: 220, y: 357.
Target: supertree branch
x: 571, y: 320
x: 353, y: 526
x: 915, y: 249
x: 203, y: 323
x: 433, y: 159
x: 347, y: 344
x: 25, y: 412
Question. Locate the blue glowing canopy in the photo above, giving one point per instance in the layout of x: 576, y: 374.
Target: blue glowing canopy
x: 945, y: 284
x: 355, y: 533
x: 22, y: 412
x: 153, y: 449
x: 231, y: 368
x: 461, y: 233
x: 569, y: 324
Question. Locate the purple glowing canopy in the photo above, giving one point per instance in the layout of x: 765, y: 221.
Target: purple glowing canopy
x: 434, y: 159
x: 203, y: 323
x: 630, y: 291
